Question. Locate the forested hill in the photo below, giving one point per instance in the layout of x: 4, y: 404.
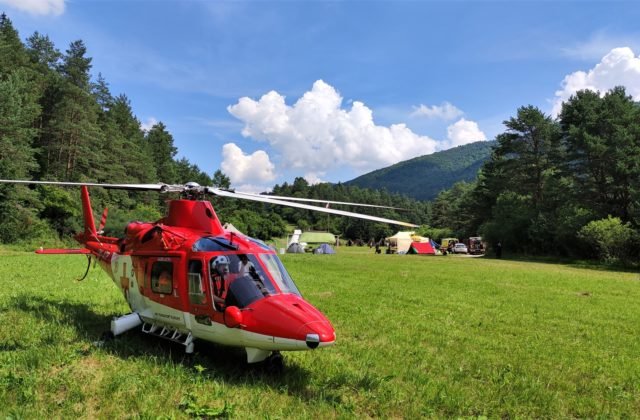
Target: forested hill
x: 424, y: 177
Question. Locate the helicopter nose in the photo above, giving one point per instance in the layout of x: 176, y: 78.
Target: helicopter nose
x: 290, y: 317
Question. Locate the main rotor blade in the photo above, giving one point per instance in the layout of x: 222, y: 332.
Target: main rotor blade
x: 141, y: 187
x: 313, y: 200
x: 265, y: 199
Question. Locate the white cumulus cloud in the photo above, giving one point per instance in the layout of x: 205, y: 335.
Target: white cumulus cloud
x: 314, y: 178
x: 37, y: 7
x: 146, y: 126
x: 446, y: 111
x: 241, y: 168
x: 316, y: 134
x: 620, y: 67
x: 463, y: 132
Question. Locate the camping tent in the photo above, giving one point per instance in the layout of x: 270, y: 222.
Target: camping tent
x: 422, y: 248
x: 295, y: 238
x: 295, y: 248
x: 400, y: 242
x: 324, y: 249
x: 231, y: 228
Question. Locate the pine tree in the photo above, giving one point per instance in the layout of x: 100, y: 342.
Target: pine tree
x: 163, y: 151
x: 602, y: 137
x: 41, y: 50
x: 76, y: 66
x: 135, y: 154
x: 220, y: 180
x: 12, y: 52
x: 72, y: 138
x: 18, y: 110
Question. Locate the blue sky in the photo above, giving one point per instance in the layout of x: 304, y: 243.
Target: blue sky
x: 271, y: 90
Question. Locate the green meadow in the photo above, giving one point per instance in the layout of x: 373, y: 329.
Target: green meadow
x: 417, y: 337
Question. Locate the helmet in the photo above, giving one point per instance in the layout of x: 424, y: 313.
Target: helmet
x: 221, y: 264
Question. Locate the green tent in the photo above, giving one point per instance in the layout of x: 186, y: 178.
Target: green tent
x: 318, y: 238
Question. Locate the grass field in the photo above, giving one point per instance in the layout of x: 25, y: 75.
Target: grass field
x: 417, y: 336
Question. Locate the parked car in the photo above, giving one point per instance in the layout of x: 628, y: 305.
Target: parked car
x: 476, y: 246
x: 460, y: 248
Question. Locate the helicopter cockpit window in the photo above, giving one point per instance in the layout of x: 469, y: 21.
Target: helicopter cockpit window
x: 196, y: 288
x: 213, y: 243
x: 279, y: 274
x: 260, y: 243
x: 253, y: 282
x: 162, y: 277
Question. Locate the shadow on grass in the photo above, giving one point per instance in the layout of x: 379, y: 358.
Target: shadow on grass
x: 219, y: 362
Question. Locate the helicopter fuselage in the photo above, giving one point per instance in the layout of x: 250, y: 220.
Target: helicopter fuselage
x: 167, y: 273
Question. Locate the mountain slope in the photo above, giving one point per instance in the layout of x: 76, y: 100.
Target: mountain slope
x: 424, y: 177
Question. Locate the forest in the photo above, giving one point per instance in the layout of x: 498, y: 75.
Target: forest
x: 568, y: 186
x: 564, y: 186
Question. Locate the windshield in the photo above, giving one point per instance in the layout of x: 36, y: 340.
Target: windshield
x: 279, y: 274
x: 245, y: 270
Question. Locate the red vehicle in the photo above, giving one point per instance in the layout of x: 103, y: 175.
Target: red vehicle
x: 476, y: 247
x: 186, y: 278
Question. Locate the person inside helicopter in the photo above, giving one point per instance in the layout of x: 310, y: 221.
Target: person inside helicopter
x: 164, y: 281
x: 244, y: 265
x: 231, y: 288
x: 238, y: 280
x: 219, y: 276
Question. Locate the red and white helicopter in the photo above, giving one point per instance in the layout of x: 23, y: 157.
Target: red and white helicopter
x: 186, y: 278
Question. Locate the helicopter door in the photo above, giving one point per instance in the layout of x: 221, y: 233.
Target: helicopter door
x: 164, y: 291
x: 199, y: 304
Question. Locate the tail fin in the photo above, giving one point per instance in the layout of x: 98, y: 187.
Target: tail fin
x: 89, y: 224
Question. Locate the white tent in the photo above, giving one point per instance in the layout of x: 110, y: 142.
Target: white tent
x: 295, y: 238
x: 400, y: 242
x: 230, y: 227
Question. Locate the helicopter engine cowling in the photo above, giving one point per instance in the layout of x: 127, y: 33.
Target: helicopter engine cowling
x: 197, y: 215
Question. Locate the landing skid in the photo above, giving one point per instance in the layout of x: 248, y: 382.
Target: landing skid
x: 272, y: 362
x: 170, y: 334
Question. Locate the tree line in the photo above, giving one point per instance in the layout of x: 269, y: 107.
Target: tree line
x: 557, y: 186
